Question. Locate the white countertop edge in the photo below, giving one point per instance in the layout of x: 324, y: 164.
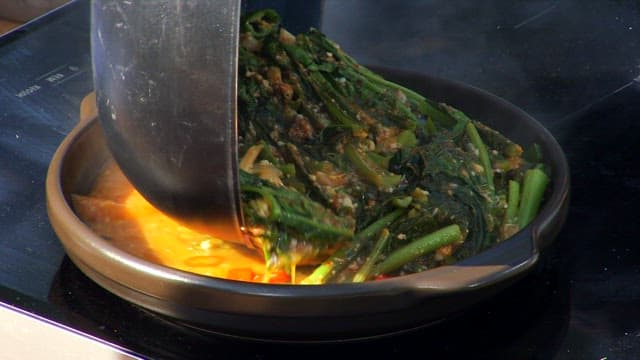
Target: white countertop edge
x: 26, y: 336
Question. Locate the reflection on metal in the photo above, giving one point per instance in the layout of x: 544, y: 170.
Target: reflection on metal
x: 165, y: 75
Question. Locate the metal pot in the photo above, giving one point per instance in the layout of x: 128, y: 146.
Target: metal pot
x: 165, y: 77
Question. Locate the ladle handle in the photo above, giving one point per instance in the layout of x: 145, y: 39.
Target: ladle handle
x: 165, y: 76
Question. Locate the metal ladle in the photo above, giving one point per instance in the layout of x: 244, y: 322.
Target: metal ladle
x: 165, y: 77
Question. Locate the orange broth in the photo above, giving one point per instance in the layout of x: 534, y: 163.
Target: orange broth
x: 119, y: 213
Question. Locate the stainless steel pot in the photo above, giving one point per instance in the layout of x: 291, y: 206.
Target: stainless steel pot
x: 165, y: 74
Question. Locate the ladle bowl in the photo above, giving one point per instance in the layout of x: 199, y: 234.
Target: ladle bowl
x: 165, y: 77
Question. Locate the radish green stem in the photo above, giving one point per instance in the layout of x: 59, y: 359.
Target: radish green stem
x: 419, y: 247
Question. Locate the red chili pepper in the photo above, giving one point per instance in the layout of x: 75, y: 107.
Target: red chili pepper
x: 279, y: 277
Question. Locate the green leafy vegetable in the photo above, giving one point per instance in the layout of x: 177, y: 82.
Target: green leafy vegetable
x: 343, y: 168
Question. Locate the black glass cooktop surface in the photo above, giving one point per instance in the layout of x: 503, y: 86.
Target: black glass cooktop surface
x: 571, y: 65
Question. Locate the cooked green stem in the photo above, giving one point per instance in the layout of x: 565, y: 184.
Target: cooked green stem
x: 483, y: 154
x: 375, y: 227
x: 426, y: 244
x: 365, y: 270
x: 460, y: 120
x: 513, y: 199
x: 535, y: 183
x: 346, y: 254
x: 373, y: 80
x: 332, y: 100
x: 369, y: 170
x: 322, y: 272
